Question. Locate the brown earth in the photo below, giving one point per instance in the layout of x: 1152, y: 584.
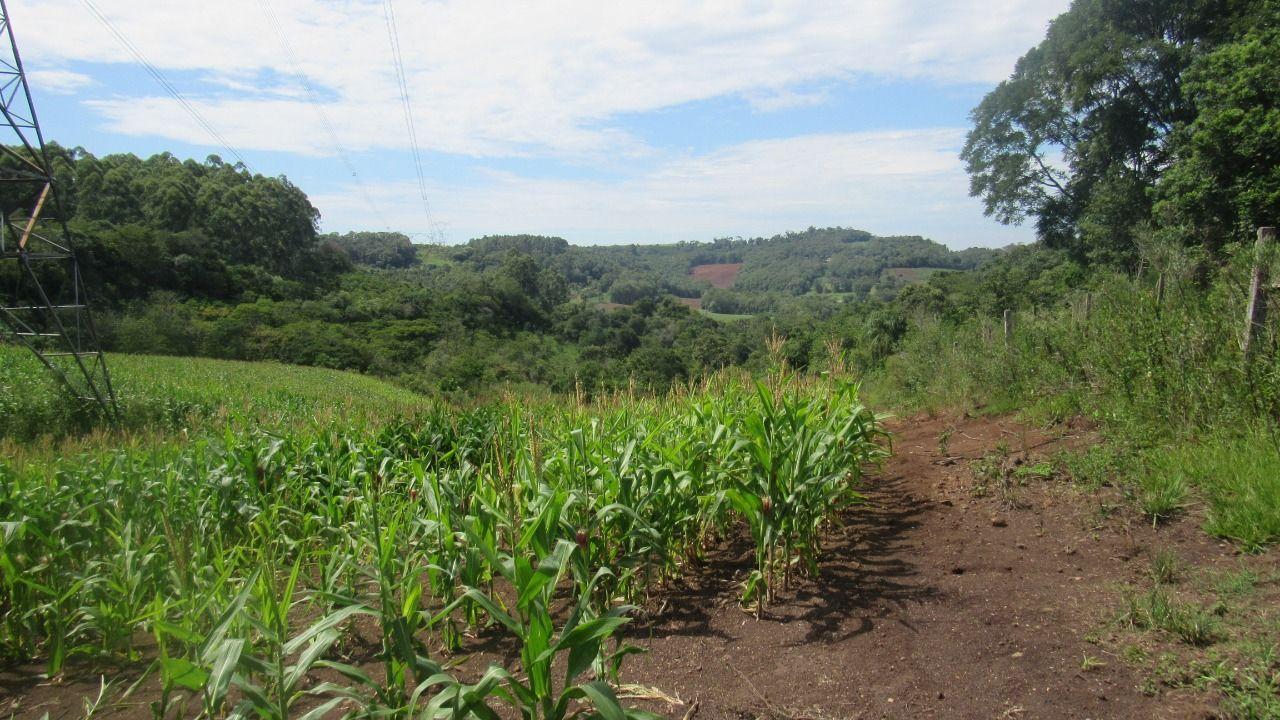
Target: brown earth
x: 933, y: 601
x: 720, y: 275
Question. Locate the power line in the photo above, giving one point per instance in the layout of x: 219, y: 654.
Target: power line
x: 389, y: 13
x: 314, y: 100
x: 164, y: 83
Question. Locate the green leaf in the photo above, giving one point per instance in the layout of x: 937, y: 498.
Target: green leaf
x: 182, y: 673
x: 320, y: 711
x: 323, y: 624
x: 603, y: 700
x: 225, y: 659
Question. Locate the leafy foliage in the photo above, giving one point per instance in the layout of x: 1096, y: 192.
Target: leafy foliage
x: 1117, y: 95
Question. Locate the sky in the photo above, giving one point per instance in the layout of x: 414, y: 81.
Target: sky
x: 599, y: 122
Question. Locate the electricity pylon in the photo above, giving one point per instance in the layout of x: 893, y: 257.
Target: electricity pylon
x: 45, y: 307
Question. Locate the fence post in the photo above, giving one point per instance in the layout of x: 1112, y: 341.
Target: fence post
x: 1008, y: 325
x: 1159, y: 292
x: 1256, y: 314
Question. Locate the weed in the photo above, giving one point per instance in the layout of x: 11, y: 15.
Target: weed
x: 1165, y: 568
x: 1089, y: 663
x: 1134, y: 654
x: 944, y: 441
x: 1249, y: 682
x: 1158, y: 610
x: 1235, y: 583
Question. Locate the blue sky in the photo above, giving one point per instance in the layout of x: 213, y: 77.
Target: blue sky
x: 645, y: 122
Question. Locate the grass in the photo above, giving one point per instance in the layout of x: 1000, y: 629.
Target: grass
x: 1188, y: 424
x: 1219, y: 632
x: 1236, y: 583
x: 1238, y: 477
x: 1166, y: 567
x: 1234, y: 477
x: 1158, y: 609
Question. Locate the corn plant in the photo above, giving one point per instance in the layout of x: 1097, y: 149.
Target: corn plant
x: 426, y: 525
x: 272, y: 675
x: 803, y: 455
x: 581, y: 641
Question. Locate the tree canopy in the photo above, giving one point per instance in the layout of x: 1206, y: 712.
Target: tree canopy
x: 1123, y: 102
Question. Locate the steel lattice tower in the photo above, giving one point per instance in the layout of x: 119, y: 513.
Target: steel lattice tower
x: 45, y: 307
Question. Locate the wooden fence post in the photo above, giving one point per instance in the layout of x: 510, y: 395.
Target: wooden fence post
x: 1008, y: 325
x: 1256, y: 315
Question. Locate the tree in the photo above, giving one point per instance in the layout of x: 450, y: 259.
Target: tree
x: 1226, y: 179
x: 376, y: 249
x: 1080, y: 134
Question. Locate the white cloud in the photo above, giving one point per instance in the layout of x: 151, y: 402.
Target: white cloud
x: 500, y: 78
x: 907, y: 182
x: 60, y: 82
x: 784, y: 98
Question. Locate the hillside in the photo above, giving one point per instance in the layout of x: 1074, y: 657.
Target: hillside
x: 761, y: 272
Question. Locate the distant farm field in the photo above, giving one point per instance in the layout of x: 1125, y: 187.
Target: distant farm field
x: 726, y: 317
x: 720, y: 275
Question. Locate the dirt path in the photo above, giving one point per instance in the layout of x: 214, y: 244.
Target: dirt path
x: 932, y: 603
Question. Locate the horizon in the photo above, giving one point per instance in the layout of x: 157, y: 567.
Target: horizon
x: 603, y: 126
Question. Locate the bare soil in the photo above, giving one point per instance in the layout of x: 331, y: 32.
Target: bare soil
x: 933, y: 601
x: 720, y: 275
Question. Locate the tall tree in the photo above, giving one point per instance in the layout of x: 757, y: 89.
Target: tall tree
x: 1080, y: 134
x: 1225, y: 179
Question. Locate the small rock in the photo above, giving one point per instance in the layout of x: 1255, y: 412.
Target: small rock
x: 998, y: 522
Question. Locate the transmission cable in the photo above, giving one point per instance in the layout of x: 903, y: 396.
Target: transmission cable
x: 314, y: 100
x: 389, y: 13
x: 164, y: 83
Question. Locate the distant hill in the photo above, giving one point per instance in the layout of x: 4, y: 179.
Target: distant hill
x: 736, y: 275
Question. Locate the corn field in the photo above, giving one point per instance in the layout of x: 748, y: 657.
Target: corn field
x: 233, y: 566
